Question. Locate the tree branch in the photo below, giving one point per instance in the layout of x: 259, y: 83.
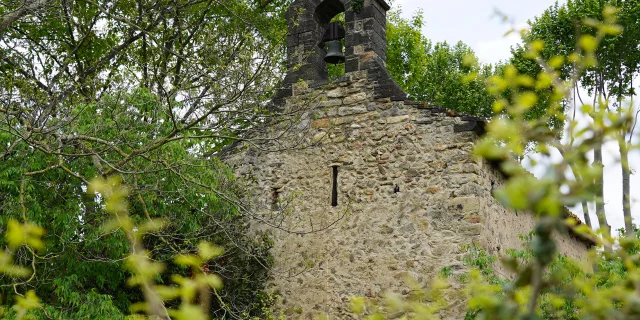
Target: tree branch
x: 11, y: 17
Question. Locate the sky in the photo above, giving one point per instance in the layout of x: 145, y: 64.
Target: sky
x: 476, y: 23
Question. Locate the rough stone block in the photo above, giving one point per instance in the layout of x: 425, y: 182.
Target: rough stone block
x: 336, y: 93
x: 359, y: 49
x: 358, y: 97
x: 471, y: 229
x: 367, y: 116
x: 433, y: 190
x: 398, y: 119
x: 319, y: 137
x: 464, y: 204
x: 385, y: 229
x: 330, y: 103
x: 367, y: 56
x: 342, y: 120
x: 321, y: 123
x: 424, y: 121
x: 473, y: 218
x: 465, y: 126
x: 352, y: 64
x: 352, y: 110
x: 338, y: 138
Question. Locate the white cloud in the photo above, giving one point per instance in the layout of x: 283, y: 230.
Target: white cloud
x: 499, y: 48
x: 496, y: 50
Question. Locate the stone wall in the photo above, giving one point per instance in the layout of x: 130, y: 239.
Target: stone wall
x: 411, y: 198
x: 503, y: 227
x: 365, y: 44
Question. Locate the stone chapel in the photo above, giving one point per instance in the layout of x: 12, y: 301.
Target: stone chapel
x: 360, y: 187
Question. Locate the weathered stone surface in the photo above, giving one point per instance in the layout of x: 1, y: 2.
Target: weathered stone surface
x: 352, y: 110
x: 398, y: 119
x: 386, y: 230
x: 330, y: 103
x: 355, y: 98
x: 367, y: 116
x: 319, y: 136
x: 380, y: 237
x: 464, y: 204
x: 470, y: 229
x: 375, y: 236
x: 338, y: 138
x: 337, y: 93
x: 433, y: 189
x: 473, y: 218
x: 342, y: 120
x: 424, y: 121
x: 321, y: 123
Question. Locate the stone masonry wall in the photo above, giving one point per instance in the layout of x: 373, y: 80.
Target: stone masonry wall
x: 502, y: 226
x: 411, y: 198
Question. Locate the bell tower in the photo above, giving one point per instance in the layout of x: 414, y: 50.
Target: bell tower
x: 365, y: 41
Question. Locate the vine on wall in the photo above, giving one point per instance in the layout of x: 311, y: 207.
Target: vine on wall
x: 357, y: 5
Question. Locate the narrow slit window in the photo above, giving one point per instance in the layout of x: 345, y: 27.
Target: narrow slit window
x: 275, y: 197
x: 334, y: 189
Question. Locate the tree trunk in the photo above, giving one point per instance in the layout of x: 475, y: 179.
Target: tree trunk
x: 602, y: 218
x: 626, y: 173
x: 587, y: 218
x: 579, y: 179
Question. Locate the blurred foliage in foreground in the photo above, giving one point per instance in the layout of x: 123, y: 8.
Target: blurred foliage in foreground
x: 570, y: 297
x: 193, y: 293
x: 545, y: 285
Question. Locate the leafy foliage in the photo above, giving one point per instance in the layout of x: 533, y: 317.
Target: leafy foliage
x: 18, y: 236
x: 357, y: 5
x: 569, y: 28
x: 521, y: 298
x: 149, y: 91
x: 437, y: 73
x: 563, y: 33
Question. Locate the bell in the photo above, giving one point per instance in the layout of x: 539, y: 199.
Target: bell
x: 334, y: 53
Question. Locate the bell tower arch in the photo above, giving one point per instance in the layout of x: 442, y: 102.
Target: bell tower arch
x: 365, y: 44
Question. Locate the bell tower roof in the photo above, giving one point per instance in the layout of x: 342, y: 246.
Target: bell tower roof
x: 365, y: 44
